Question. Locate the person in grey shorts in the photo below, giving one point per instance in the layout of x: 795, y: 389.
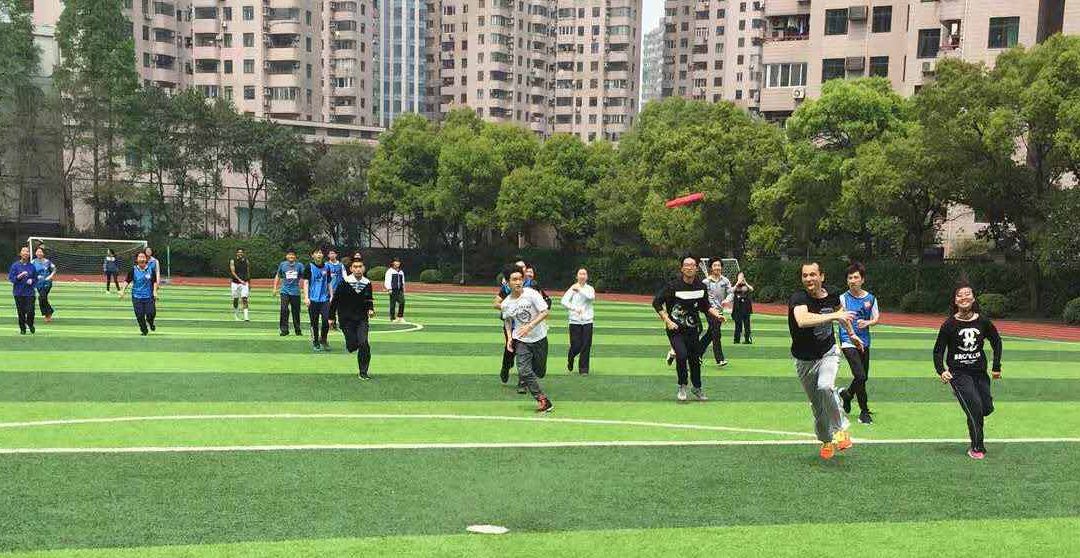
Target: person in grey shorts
x: 811, y: 313
x: 524, y: 311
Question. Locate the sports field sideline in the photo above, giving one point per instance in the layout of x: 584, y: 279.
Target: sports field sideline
x: 213, y: 437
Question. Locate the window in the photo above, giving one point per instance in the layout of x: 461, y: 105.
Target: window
x: 882, y: 19
x: 1004, y: 32
x: 249, y: 40
x: 832, y: 68
x: 249, y: 13
x: 31, y: 202
x: 836, y: 22
x: 227, y: 64
x: 249, y: 92
x: 307, y: 43
x: 228, y: 40
x: 929, y: 42
x: 785, y: 75
x: 879, y: 66
x: 227, y: 94
x: 146, y: 59
x: 226, y: 14
x: 249, y: 66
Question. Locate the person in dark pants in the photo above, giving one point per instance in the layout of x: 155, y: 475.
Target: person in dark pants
x: 351, y: 306
x: 960, y: 361
x: 578, y: 301
x: 720, y: 295
x: 45, y: 271
x: 394, y: 282
x: 288, y: 275
x: 678, y: 304
x: 240, y: 284
x: 865, y: 307
x: 23, y: 276
x: 742, y: 306
x: 144, y: 289
x: 504, y: 291
x: 315, y: 285
x: 524, y: 313
x: 112, y: 270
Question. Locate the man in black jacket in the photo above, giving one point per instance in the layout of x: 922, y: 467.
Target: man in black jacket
x: 678, y: 304
x: 353, y: 305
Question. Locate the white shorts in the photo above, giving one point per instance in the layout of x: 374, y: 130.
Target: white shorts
x: 239, y: 290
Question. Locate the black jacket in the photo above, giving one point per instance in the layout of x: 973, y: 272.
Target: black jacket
x: 351, y: 301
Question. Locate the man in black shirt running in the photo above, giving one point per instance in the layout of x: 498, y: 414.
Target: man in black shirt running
x: 241, y: 281
x: 811, y: 312
x: 353, y: 305
x: 678, y: 304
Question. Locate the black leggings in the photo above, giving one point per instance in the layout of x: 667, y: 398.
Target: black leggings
x: 712, y: 335
x: 742, y: 324
x: 687, y: 347
x: 43, y: 301
x: 111, y: 277
x: 580, y: 344
x: 24, y: 306
x: 397, y: 304
x: 289, y: 302
x: 145, y: 312
x: 859, y: 361
x: 319, y: 314
x: 356, y: 340
x: 508, y: 355
x: 973, y: 393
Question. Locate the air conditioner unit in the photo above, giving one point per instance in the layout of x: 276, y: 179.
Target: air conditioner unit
x: 854, y: 63
x: 928, y: 68
x: 857, y: 13
x: 798, y: 93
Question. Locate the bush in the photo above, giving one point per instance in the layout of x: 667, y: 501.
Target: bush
x: 459, y: 279
x: 915, y: 301
x: 992, y: 304
x: 1072, y: 312
x: 768, y: 293
x: 377, y: 273
x: 431, y: 276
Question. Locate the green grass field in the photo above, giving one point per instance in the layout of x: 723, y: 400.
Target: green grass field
x: 217, y: 438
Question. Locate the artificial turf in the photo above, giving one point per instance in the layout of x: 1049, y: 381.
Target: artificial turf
x: 679, y: 500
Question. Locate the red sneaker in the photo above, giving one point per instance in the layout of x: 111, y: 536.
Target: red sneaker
x: 543, y: 405
x: 828, y: 450
x: 976, y: 454
x: 843, y: 440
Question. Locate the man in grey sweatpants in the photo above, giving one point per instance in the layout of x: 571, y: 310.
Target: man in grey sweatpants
x: 811, y: 313
x: 524, y: 312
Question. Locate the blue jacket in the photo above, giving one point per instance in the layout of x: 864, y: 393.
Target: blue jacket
x: 23, y: 276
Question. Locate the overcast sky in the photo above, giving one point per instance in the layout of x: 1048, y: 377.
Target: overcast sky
x: 652, y: 11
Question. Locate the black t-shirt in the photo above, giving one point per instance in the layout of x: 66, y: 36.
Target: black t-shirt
x: 812, y: 343
x: 683, y: 301
x: 964, y: 342
x: 241, y: 266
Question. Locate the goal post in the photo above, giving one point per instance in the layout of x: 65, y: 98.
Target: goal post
x: 731, y: 267
x: 86, y: 256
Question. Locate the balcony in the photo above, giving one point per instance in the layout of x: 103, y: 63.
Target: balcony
x: 163, y: 48
x: 282, y: 79
x: 284, y: 107
x: 786, y: 7
x: 292, y: 53
x: 344, y: 92
x: 164, y: 74
x: 205, y: 26
x: 343, y: 53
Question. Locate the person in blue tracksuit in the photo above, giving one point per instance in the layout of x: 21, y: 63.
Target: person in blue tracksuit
x: 864, y: 306
x: 144, y: 289
x: 316, y: 289
x: 45, y: 271
x: 337, y: 273
x: 23, y: 276
x: 288, y: 275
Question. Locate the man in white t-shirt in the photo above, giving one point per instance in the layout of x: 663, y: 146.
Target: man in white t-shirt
x: 578, y: 301
x: 523, y: 314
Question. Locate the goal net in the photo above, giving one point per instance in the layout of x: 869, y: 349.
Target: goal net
x: 731, y: 267
x: 86, y: 256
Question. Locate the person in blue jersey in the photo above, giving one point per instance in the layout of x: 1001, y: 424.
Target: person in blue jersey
x: 353, y: 306
x: 23, y: 276
x: 45, y: 271
x: 288, y: 276
x: 316, y: 288
x: 865, y: 307
x: 144, y: 289
x: 338, y: 272
x: 111, y: 269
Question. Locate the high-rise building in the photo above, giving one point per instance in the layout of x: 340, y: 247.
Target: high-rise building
x: 712, y: 50
x: 401, y: 59
x: 652, y: 64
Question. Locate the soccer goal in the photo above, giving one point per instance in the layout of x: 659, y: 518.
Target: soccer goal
x: 731, y: 267
x: 86, y: 256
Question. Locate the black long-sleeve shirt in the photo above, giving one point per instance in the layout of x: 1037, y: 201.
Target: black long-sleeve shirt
x: 960, y: 346
x: 683, y: 301
x: 352, y: 301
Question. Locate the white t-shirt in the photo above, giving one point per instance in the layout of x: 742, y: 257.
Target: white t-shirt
x: 523, y: 310
x: 579, y: 304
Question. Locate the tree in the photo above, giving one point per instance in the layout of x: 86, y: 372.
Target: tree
x: 342, y: 199
x: 96, y: 79
x: 799, y: 210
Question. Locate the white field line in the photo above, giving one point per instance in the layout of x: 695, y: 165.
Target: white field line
x: 386, y: 416
x: 495, y: 445
x: 236, y: 334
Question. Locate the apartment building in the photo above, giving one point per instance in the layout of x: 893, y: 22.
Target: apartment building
x: 808, y: 42
x: 712, y: 50
x: 401, y: 72
x: 652, y: 64
x: 554, y: 66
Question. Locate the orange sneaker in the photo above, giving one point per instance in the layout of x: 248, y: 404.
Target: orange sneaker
x: 828, y: 450
x: 843, y: 440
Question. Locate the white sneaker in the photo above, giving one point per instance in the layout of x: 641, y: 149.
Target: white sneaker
x: 699, y: 393
x: 681, y: 395
x: 722, y: 363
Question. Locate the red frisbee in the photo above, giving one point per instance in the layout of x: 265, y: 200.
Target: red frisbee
x: 685, y: 200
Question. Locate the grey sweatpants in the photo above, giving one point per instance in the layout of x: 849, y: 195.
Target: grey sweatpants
x: 531, y: 358
x: 818, y: 379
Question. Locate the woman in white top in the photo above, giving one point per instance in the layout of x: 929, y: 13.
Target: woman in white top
x: 578, y: 300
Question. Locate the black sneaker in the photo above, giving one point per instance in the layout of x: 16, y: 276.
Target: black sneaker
x: 866, y: 418
x: 364, y: 376
x: 325, y: 346
x: 570, y: 365
x: 504, y: 375
x: 736, y: 341
x: 151, y: 324
x: 846, y: 397
x: 583, y: 372
x: 22, y: 332
x: 298, y: 332
x: 32, y: 330
x: 522, y: 389
x: 284, y: 334
x: 316, y: 347
x: 144, y: 332
x: 749, y: 341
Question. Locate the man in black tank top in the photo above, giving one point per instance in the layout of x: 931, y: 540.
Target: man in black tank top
x: 241, y: 277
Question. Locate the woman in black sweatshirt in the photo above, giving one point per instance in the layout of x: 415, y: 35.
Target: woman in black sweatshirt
x: 960, y: 360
